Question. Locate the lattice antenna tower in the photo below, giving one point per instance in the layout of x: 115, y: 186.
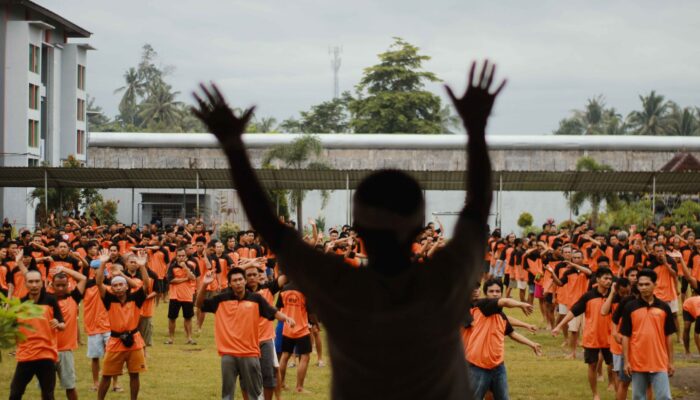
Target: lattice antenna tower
x: 335, y: 52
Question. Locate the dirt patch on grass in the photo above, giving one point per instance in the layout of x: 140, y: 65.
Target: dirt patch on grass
x: 687, y: 380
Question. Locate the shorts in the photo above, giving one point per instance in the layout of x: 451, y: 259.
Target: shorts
x: 506, y: 280
x: 576, y: 324
x: 487, y: 266
x: 65, y: 368
x: 268, y: 363
x: 684, y: 284
x: 531, y: 288
x: 562, y: 309
x: 278, y: 337
x: 161, y: 286
x: 114, y: 362
x: 498, y: 269
x: 146, y: 330
x: 618, y: 362
x: 513, y: 284
x: 522, y: 285
x: 673, y: 304
x: 302, y: 344
x: 549, y: 298
x: 621, y: 373
x: 96, y: 345
x: 174, y: 309
x: 590, y: 356
x: 539, y: 291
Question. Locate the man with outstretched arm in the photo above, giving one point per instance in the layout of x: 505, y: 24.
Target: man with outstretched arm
x: 389, y: 211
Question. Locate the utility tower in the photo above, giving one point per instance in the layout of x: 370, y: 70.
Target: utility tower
x: 335, y: 52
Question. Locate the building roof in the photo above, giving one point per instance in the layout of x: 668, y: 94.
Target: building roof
x: 405, y: 141
x: 72, y: 30
x: 613, y: 181
x: 682, y: 162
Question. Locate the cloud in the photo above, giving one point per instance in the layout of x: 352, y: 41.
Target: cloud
x: 275, y: 53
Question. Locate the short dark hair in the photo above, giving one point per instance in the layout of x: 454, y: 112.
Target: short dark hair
x: 603, y: 259
x: 603, y: 271
x: 629, y: 271
x: 648, y: 273
x: 491, y: 282
x: 234, y: 271
x: 623, y: 282
x: 200, y: 239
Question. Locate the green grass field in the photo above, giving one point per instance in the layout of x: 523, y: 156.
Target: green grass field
x: 188, y: 372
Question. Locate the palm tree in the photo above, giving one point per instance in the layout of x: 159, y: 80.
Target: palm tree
x: 592, y: 117
x: 160, y: 108
x: 683, y: 122
x: 133, y: 89
x: 653, y: 117
x: 449, y: 122
x: 577, y: 199
x: 266, y: 124
x: 303, y: 152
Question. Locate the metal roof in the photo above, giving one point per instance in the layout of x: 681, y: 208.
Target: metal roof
x: 615, y: 181
x: 405, y: 141
x: 72, y: 30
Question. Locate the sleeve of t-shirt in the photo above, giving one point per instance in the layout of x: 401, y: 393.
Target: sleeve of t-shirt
x: 580, y: 306
x: 170, y: 275
x: 211, y: 305
x: 265, y: 309
x: 669, y: 322
x: 76, y: 295
x: 57, y: 314
x: 488, y: 307
x: 139, y: 296
x: 280, y: 303
x: 509, y: 327
x: 108, y: 299
x: 626, y: 327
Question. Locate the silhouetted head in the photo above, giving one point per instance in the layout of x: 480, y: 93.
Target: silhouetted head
x: 389, y: 211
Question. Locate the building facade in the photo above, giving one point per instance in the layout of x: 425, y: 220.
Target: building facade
x: 43, y: 103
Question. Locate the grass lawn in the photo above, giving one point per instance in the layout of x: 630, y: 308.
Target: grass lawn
x: 190, y: 372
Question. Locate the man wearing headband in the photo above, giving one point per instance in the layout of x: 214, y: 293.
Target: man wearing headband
x: 125, y: 346
x: 366, y: 310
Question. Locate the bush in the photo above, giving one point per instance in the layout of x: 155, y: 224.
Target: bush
x: 525, y: 219
x: 105, y: 210
x: 532, y: 229
x: 11, y: 311
x: 228, y: 229
x: 568, y: 224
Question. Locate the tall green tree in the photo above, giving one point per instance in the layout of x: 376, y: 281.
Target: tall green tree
x: 593, y: 119
x: 596, y: 199
x: 160, y: 110
x: 133, y: 91
x: 391, y: 95
x: 96, y: 119
x: 653, y: 118
x: 683, y: 121
x: 304, y: 152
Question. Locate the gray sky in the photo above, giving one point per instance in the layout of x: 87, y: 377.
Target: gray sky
x: 274, y: 54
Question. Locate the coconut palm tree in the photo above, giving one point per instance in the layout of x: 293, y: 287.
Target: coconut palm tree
x: 683, y: 121
x: 652, y: 119
x: 303, y: 152
x: 160, y: 108
x: 596, y: 199
x: 133, y: 90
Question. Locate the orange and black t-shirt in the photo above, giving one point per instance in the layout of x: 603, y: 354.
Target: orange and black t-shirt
x: 236, y: 322
x: 158, y: 261
x: 691, y: 311
x: 268, y: 291
x: 68, y: 338
x: 124, y: 318
x: 647, y: 325
x: 490, y: 326
x: 596, y: 329
x: 40, y: 340
x: 293, y: 303
x: 67, y: 262
x: 95, y: 318
x: 665, y: 282
x: 181, y: 291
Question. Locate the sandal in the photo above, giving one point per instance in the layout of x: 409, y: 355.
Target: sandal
x: 191, y: 341
x: 169, y: 341
x: 118, y: 389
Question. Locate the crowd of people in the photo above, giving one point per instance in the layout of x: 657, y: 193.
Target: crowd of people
x: 389, y: 291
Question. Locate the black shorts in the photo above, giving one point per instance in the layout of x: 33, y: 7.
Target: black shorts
x: 302, y: 344
x: 590, y: 356
x: 174, y: 309
x: 506, y: 280
x: 689, y: 318
x: 549, y: 298
x: 684, y: 284
x: 487, y: 266
x: 161, y: 285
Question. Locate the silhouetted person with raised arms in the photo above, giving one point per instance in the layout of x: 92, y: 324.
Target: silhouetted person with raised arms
x: 393, y: 328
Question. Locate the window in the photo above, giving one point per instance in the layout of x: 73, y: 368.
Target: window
x: 33, y: 97
x: 34, y: 58
x: 32, y: 162
x: 81, y: 77
x: 81, y: 110
x: 33, y: 133
x: 80, y: 142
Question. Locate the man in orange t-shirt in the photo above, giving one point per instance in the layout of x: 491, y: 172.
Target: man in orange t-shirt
x: 68, y: 300
x: 596, y: 327
x: 293, y: 303
x: 647, y: 327
x: 125, y: 346
x: 181, y: 274
x: 237, y: 314
x: 37, y: 353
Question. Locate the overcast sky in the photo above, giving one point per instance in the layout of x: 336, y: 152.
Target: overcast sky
x: 274, y: 54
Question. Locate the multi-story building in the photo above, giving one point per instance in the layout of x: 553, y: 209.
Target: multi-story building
x: 42, y: 96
